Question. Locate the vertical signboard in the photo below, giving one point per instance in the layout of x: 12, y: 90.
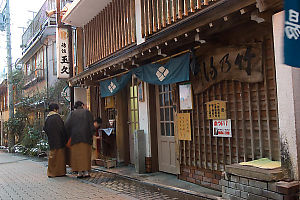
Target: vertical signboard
x: 292, y: 33
x: 62, y: 49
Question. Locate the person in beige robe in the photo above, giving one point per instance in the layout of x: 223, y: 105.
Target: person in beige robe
x: 80, y: 128
x: 57, y: 138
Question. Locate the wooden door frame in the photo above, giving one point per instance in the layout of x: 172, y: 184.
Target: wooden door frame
x: 122, y: 128
x: 153, y: 127
x: 158, y: 123
x: 129, y: 120
x: 177, y: 147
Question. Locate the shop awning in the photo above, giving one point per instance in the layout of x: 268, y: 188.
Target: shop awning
x: 174, y: 71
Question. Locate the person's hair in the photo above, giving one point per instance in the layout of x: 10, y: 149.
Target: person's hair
x: 98, y: 120
x: 53, y: 106
x: 78, y: 104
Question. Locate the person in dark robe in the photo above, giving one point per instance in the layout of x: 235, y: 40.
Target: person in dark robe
x: 80, y: 128
x: 57, y: 139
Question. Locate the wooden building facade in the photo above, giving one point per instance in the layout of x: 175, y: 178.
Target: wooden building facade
x: 232, y: 44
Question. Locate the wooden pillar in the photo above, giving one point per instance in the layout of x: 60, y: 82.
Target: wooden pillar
x: 122, y: 130
x: 153, y: 128
x: 80, y: 50
x: 287, y: 79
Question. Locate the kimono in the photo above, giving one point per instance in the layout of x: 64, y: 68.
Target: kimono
x: 80, y: 129
x: 57, y: 138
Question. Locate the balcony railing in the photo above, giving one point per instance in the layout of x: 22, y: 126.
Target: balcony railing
x: 35, y: 76
x: 158, y: 14
x: 111, y: 30
x: 40, y: 21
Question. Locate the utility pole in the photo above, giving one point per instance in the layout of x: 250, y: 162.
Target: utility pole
x: 11, y: 136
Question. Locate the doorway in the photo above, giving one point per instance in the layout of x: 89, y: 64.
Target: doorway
x: 166, y: 129
x: 133, y: 118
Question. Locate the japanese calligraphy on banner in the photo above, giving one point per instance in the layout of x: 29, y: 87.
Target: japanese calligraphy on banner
x: 62, y: 48
x: 242, y: 63
x: 222, y: 128
x: 184, y: 126
x: 216, y: 110
x: 292, y: 33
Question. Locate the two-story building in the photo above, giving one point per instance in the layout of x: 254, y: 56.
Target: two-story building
x: 199, y: 78
x: 39, y: 57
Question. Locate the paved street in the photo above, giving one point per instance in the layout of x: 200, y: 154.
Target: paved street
x: 21, y: 178
x: 25, y: 178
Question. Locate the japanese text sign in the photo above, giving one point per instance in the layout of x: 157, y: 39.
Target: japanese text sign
x: 292, y: 33
x: 184, y: 126
x: 241, y: 63
x: 216, y: 109
x: 62, y: 48
x: 222, y: 128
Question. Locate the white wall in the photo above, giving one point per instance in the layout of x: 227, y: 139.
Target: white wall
x: 138, y: 23
x: 144, y: 119
x: 80, y: 94
x: 288, y: 92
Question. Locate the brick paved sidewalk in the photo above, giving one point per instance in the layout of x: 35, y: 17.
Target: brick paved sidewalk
x: 21, y: 178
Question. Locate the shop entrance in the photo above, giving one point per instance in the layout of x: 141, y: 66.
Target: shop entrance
x: 133, y: 118
x: 165, y: 130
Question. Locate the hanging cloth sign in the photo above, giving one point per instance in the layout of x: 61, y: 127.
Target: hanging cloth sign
x: 112, y: 86
x: 292, y: 33
x: 176, y: 70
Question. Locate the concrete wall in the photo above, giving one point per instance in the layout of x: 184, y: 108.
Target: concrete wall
x: 36, y: 88
x: 288, y: 87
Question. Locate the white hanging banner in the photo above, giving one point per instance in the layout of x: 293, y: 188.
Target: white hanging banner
x: 62, y: 50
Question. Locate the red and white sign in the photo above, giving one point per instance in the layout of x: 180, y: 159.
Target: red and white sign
x: 222, y: 128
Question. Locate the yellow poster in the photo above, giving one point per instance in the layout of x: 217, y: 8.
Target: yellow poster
x: 184, y: 126
x: 216, y: 109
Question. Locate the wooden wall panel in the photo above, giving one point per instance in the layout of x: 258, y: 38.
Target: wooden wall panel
x: 158, y: 14
x: 252, y: 107
x: 111, y: 30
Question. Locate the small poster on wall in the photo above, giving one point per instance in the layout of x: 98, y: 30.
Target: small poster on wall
x: 141, y: 95
x: 184, y: 126
x: 216, y: 110
x: 186, y: 97
x: 222, y: 128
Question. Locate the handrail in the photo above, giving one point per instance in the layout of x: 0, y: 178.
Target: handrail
x: 40, y: 20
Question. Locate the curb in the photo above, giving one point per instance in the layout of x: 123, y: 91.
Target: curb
x: 166, y: 187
